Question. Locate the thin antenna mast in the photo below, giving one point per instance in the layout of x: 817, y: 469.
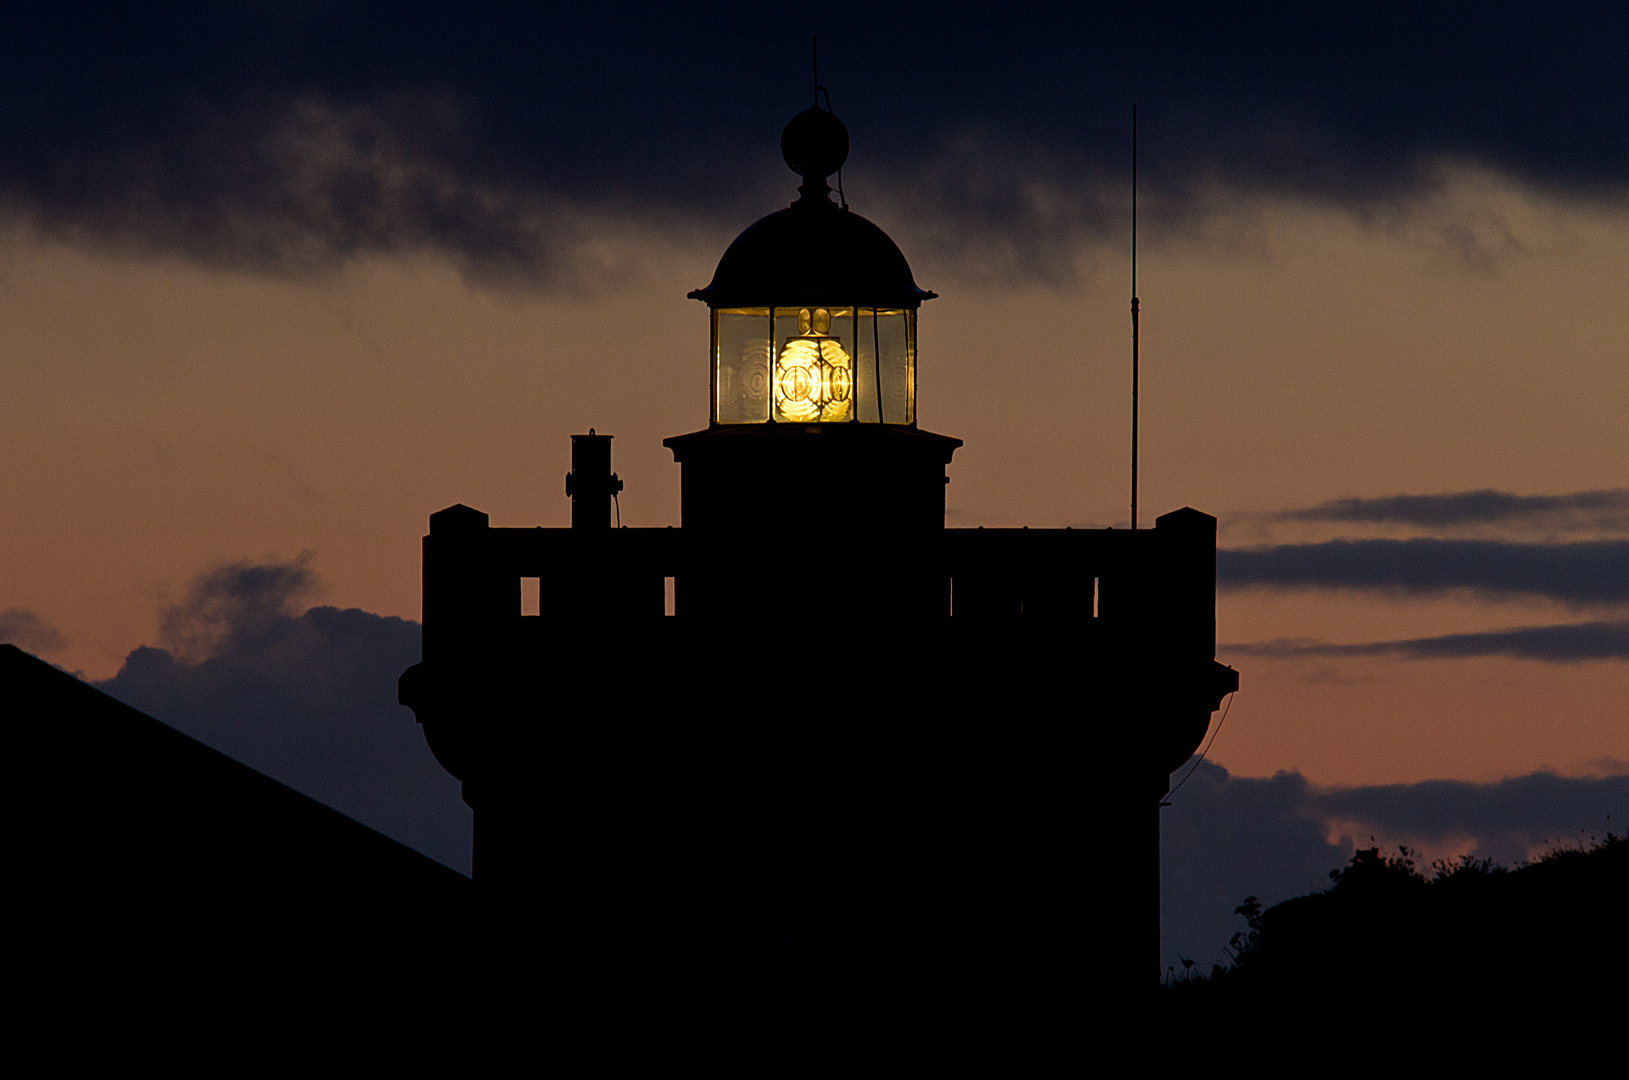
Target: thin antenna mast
x: 1133, y: 316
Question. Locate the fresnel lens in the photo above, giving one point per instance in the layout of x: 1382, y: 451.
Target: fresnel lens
x: 814, y: 377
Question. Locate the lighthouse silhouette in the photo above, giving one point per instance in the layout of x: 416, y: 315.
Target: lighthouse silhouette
x: 812, y: 763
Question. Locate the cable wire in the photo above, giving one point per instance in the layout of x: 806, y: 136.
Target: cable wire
x: 1218, y: 730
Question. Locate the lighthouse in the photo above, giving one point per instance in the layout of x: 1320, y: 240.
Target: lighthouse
x: 868, y: 772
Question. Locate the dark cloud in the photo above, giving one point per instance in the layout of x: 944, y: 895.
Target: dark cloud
x: 1575, y: 512
x: 1566, y: 643
x: 288, y: 137
x: 1581, y: 574
x: 230, y: 607
x: 1506, y: 820
x: 308, y: 699
x: 26, y: 630
x: 1226, y: 837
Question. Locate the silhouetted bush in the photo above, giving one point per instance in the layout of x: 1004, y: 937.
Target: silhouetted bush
x: 1471, y: 939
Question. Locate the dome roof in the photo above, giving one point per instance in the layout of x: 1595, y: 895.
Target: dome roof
x: 813, y: 252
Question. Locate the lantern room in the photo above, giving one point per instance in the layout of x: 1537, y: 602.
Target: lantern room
x: 813, y: 307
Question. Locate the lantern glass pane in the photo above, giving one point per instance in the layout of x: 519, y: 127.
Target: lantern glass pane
x: 741, y: 365
x: 885, y: 365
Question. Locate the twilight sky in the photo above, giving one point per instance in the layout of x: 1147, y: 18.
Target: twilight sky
x: 279, y: 280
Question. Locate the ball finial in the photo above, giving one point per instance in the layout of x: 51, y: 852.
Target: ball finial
x: 815, y: 144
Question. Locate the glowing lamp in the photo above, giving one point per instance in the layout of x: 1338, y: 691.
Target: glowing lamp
x: 813, y: 375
